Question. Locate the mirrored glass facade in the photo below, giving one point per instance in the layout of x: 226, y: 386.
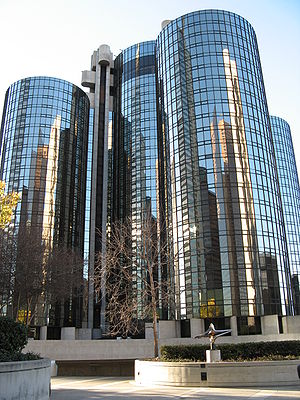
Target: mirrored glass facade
x: 135, y: 196
x: 225, y: 216
x: 43, y: 157
x: 290, y: 196
x: 175, y: 131
x: 135, y: 130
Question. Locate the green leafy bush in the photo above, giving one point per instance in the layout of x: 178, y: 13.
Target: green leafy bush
x: 235, y: 352
x: 13, y: 339
x: 13, y: 335
x: 8, y: 357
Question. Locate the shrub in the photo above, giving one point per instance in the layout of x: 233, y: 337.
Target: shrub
x: 235, y: 352
x: 183, y: 352
x: 13, y: 336
x: 8, y: 357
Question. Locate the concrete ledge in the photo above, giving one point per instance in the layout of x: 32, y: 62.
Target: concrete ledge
x: 77, y: 350
x: 221, y: 374
x: 128, y: 348
x: 26, y: 380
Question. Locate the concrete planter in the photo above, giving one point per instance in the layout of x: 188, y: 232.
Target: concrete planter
x: 221, y: 374
x: 26, y: 380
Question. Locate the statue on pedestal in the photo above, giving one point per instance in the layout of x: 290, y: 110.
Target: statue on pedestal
x: 213, y: 334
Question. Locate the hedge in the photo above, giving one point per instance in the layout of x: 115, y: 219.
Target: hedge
x: 234, y: 352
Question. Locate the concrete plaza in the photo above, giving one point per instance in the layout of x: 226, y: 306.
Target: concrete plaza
x: 84, y: 388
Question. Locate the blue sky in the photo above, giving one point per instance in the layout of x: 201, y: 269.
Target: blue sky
x: 57, y: 38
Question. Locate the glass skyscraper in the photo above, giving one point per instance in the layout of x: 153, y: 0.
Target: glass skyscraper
x: 192, y: 146
x: 135, y: 149
x: 43, y: 158
x: 290, y: 197
x: 176, y: 131
x: 227, y: 222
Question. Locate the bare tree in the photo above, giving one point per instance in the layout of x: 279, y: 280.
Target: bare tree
x: 64, y: 284
x: 32, y: 277
x: 29, y: 275
x: 64, y: 273
x: 130, y: 280
x: 7, y: 269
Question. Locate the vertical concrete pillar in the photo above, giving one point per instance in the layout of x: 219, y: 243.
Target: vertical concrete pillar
x: 96, y: 333
x: 291, y: 324
x: 83, y: 334
x: 149, y: 330
x: 197, y: 327
x: 233, y: 326
x: 68, y: 333
x: 169, y: 329
x: 43, y: 333
x: 269, y: 325
x: 102, y: 59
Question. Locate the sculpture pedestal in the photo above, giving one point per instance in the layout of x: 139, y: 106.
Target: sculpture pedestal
x: 213, y: 356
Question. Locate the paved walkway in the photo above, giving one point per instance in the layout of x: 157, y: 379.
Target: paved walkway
x: 84, y: 388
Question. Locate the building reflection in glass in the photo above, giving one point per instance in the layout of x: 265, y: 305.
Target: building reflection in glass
x: 43, y: 157
x: 290, y: 196
x: 225, y: 218
x: 135, y: 152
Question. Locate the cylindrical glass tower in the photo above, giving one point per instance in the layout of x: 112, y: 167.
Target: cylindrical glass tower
x: 290, y: 196
x: 135, y: 151
x: 43, y: 157
x: 225, y: 214
x: 136, y: 131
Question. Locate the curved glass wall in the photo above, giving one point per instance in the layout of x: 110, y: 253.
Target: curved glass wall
x: 43, y: 157
x: 135, y: 148
x: 290, y: 196
x: 225, y: 215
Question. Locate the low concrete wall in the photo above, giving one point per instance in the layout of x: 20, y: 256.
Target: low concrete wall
x: 63, y: 350
x: 127, y: 349
x: 26, y: 380
x: 221, y: 374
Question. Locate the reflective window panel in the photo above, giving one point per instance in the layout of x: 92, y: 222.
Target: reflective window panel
x: 290, y: 197
x: 44, y: 138
x: 135, y: 151
x: 224, y: 212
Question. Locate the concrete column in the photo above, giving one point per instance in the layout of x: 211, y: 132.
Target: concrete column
x: 96, y: 333
x: 269, y: 325
x: 43, y: 333
x: 68, y: 333
x: 197, y: 327
x: 105, y: 60
x: 233, y: 326
x: 169, y: 329
x: 103, y: 57
x: 149, y: 330
x: 83, y: 334
x: 291, y: 324
x: 53, y: 368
